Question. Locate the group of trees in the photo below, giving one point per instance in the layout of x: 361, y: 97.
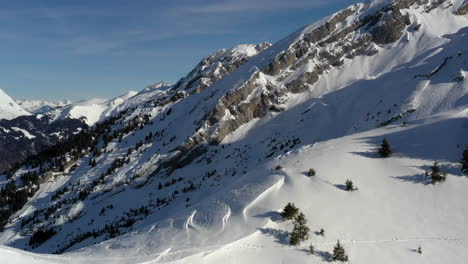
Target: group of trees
x: 41, y: 236
x: 435, y: 173
x: 112, y: 229
x: 14, y: 195
x: 301, y: 231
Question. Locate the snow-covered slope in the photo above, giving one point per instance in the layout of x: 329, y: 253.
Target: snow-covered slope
x: 41, y: 106
x: 9, y: 109
x: 182, y: 176
x: 91, y: 111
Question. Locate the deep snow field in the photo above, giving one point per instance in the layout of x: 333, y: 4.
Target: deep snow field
x: 394, y: 210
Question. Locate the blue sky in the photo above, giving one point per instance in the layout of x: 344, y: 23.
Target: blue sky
x: 64, y: 49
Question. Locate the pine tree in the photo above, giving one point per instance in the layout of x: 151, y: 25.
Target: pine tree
x: 464, y: 161
x: 339, y: 253
x: 385, y: 150
x: 311, y: 172
x: 349, y: 186
x: 322, y: 232
x: 436, y: 174
x: 419, y: 249
x: 312, y: 249
x: 300, y: 231
x: 289, y: 212
x: 295, y: 239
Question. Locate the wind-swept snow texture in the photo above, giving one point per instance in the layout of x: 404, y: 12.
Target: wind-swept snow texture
x: 222, y: 161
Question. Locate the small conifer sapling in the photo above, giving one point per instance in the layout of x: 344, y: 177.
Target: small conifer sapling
x: 385, y: 150
x: 436, y: 174
x: 312, y: 249
x: 350, y: 186
x: 300, y: 231
x: 289, y: 211
x: 322, y: 232
x: 339, y: 253
x: 464, y: 161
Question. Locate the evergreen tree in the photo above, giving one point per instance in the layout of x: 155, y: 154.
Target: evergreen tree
x: 322, y: 232
x: 339, y: 253
x: 464, y: 161
x: 289, y: 212
x: 385, y: 150
x: 436, y: 174
x: 419, y: 249
x: 349, y: 186
x: 311, y: 172
x: 300, y: 231
x: 312, y: 249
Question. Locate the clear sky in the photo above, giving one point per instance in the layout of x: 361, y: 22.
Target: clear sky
x: 64, y: 49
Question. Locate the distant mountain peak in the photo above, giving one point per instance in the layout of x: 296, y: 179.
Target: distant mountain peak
x: 41, y: 106
x: 9, y: 109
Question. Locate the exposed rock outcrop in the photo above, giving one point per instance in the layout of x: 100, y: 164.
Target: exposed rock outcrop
x: 217, y: 65
x: 462, y: 10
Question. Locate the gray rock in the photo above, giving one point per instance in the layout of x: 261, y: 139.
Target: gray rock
x: 462, y: 10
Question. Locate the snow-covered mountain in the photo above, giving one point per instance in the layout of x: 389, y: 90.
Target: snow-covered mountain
x: 198, y: 174
x: 41, y: 106
x: 9, y: 109
x: 217, y: 65
x: 90, y: 111
x: 25, y: 136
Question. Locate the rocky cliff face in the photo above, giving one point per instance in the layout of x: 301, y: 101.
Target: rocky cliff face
x: 352, y: 32
x: 462, y: 10
x: 360, y: 30
x: 217, y: 65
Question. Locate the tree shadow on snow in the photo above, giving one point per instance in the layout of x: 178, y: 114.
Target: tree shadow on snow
x: 421, y: 178
x: 280, y: 236
x: 273, y: 216
x: 415, y: 250
x: 370, y: 155
x: 417, y: 178
x: 325, y: 255
x: 317, y: 233
x: 340, y: 186
x: 428, y: 139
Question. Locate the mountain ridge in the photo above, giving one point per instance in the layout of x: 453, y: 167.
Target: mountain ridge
x: 191, y: 175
